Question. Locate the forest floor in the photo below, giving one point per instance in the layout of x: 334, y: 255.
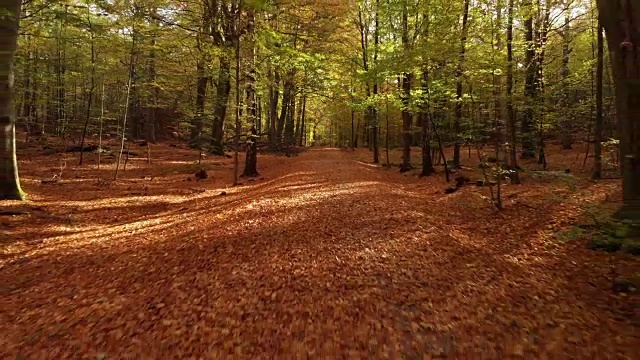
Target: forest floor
x: 323, y: 255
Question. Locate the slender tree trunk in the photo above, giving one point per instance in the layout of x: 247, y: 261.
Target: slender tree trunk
x: 566, y: 121
x: 223, y: 88
x: 511, y: 119
x: 91, y: 89
x: 304, y: 115
x: 406, y: 95
x: 459, y: 71
x: 130, y: 83
x: 201, y: 93
x: 374, y: 110
x: 541, y: 37
x: 498, y: 130
x: 154, y: 92
x: 274, y: 95
x: 286, y: 102
x: 386, y: 133
x: 597, y: 168
x: 28, y: 103
x: 357, y: 134
x: 9, y: 179
x: 298, y: 121
x: 238, y: 127
x: 251, y: 159
x: 353, y: 130
x: 530, y: 90
x: 289, y: 136
x: 427, y: 164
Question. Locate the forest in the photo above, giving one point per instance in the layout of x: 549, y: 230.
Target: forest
x: 319, y: 178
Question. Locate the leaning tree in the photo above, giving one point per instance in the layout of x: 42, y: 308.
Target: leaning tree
x: 621, y: 22
x: 9, y: 180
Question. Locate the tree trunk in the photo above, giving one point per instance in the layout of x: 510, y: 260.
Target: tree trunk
x: 298, y: 121
x: 427, y: 164
x: 406, y: 123
x: 9, y: 179
x: 302, y: 125
x: 353, y: 129
x: 406, y: 94
x: 251, y: 159
x: 223, y: 88
x: 238, y: 108
x: 597, y: 162
x: 459, y: 71
x: 90, y: 95
x: 374, y: 110
x: 154, y: 91
x: 274, y: 96
x: 289, y: 129
x: 566, y: 121
x: 511, y: 119
x: 541, y: 40
x: 498, y: 130
x: 201, y: 93
x: 621, y: 21
x: 530, y: 91
x: 286, y: 102
x: 60, y: 110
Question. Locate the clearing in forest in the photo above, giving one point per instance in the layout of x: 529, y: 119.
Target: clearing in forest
x: 324, y: 255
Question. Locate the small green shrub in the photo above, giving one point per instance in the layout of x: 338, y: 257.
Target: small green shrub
x: 570, y: 234
x: 605, y: 243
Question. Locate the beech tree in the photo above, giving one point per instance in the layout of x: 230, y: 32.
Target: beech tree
x: 621, y: 22
x: 9, y: 24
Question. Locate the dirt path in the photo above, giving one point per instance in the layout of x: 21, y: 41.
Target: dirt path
x: 327, y: 256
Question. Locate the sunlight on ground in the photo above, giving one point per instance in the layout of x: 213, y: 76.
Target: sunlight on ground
x: 170, y: 223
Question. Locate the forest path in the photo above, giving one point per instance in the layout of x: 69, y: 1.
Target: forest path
x: 326, y: 257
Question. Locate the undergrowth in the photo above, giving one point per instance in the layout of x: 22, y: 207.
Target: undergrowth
x: 605, y: 233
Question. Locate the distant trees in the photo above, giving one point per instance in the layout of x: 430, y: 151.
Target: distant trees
x: 439, y: 72
x: 450, y: 69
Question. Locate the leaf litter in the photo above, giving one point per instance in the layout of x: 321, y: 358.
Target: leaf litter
x: 325, y: 256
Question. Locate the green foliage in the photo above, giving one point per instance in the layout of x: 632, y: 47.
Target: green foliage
x: 605, y: 243
x: 570, y: 234
x: 608, y: 234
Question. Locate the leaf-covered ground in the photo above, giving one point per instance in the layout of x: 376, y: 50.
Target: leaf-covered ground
x: 323, y: 256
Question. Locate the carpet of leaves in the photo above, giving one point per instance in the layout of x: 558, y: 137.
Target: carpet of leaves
x: 322, y: 256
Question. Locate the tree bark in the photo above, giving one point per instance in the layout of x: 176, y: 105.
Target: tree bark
x: 154, y: 91
x: 621, y: 21
x: 566, y: 121
x: 274, y: 96
x: 90, y: 95
x: 459, y: 71
x: 597, y: 162
x: 530, y: 91
x: 406, y: 95
x: 286, y: 103
x: 223, y: 88
x: 303, y: 118
x: 374, y: 110
x: 498, y: 133
x: 9, y: 179
x: 289, y: 129
x: 511, y: 119
x: 251, y: 159
x: 238, y: 125
x: 201, y: 93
